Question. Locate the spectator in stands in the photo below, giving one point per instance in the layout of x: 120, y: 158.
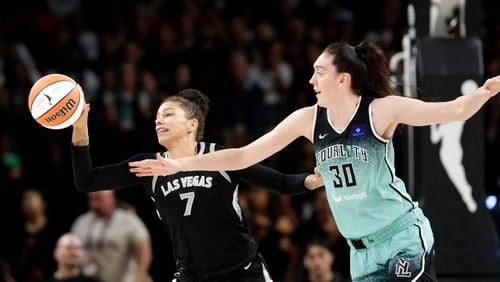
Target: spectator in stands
x: 116, y: 241
x: 318, y: 264
x: 5, y: 275
x: 69, y: 253
x: 35, y: 240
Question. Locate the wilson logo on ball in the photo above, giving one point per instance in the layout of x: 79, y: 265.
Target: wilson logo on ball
x: 56, y: 101
x: 62, y: 112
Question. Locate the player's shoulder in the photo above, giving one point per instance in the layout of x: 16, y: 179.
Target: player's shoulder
x: 388, y: 104
x: 389, y: 100
x: 207, y: 147
x: 302, y: 115
x: 308, y: 110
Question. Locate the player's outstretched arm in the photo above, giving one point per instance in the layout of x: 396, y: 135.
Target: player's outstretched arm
x: 89, y: 178
x: 299, y: 123
x: 281, y: 183
x: 394, y: 110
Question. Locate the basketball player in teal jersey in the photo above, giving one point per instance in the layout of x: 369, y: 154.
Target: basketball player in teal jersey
x: 351, y: 127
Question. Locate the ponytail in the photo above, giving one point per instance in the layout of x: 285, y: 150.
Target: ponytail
x: 378, y: 75
x: 367, y: 66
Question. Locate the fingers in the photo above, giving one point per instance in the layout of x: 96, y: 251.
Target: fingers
x: 81, y: 122
x: 141, y: 168
x: 316, y: 170
x: 85, y: 110
x: 142, y: 171
x: 492, y: 85
x: 160, y: 159
x: 149, y: 167
x: 143, y: 163
x: 313, y: 181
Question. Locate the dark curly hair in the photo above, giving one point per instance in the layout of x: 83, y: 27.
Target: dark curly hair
x: 196, y: 106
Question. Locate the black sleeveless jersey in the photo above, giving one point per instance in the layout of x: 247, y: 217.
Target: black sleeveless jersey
x: 199, y: 209
x: 324, y: 132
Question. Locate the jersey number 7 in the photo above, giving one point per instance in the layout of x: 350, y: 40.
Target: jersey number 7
x: 189, y: 205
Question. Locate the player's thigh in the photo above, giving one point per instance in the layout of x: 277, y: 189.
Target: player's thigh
x: 406, y: 256
x: 412, y: 258
x: 255, y: 271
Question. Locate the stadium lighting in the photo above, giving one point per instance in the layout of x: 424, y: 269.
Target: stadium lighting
x: 491, y: 201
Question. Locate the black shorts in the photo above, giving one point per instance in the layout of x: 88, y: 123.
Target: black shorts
x: 255, y: 271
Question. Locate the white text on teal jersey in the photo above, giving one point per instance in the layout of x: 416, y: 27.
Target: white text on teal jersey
x: 341, y: 151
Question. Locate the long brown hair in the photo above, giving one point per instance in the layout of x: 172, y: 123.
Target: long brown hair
x: 367, y: 66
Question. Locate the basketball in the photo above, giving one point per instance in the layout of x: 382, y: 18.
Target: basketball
x: 56, y: 101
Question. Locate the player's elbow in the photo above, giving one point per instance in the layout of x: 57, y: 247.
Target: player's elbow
x: 81, y: 188
x: 460, y: 112
x: 84, y: 187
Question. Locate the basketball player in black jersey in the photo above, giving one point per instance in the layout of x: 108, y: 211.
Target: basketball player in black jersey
x: 200, y: 210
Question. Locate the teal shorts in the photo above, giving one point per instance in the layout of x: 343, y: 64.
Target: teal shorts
x: 406, y: 256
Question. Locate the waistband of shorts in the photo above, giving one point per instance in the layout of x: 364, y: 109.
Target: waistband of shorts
x: 413, y: 216
x: 193, y: 274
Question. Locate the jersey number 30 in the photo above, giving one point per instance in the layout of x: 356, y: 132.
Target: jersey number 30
x: 343, y: 176
x: 189, y: 204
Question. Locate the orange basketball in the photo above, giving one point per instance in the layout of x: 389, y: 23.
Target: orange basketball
x: 56, y: 101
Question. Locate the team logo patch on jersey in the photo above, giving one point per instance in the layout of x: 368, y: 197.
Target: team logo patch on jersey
x: 358, y: 131
x: 402, y: 268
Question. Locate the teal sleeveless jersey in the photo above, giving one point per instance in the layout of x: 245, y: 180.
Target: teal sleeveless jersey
x: 357, y: 167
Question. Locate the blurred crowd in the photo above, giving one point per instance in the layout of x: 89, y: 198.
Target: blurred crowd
x: 252, y: 58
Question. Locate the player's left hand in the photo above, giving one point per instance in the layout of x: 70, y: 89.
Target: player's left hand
x: 493, y: 85
x: 314, y: 181
x: 152, y: 167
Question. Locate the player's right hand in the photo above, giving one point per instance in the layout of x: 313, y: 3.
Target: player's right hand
x: 151, y: 167
x: 314, y: 181
x: 493, y: 85
x: 81, y: 122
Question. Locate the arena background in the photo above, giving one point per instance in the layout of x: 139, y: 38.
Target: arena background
x: 253, y: 59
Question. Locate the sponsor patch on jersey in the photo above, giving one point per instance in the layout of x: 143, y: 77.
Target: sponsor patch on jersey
x: 358, y: 131
x: 351, y: 197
